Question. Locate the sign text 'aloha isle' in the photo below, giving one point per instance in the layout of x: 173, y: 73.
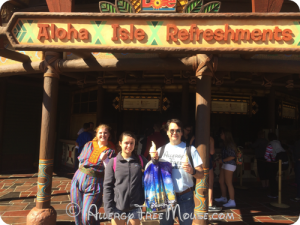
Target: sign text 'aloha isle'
x: 144, y: 32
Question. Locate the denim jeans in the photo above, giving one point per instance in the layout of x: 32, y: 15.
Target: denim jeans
x: 185, y: 207
x: 298, y: 178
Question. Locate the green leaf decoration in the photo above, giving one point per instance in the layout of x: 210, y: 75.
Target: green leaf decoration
x: 211, y: 7
x: 124, y: 6
x: 193, y: 6
x: 107, y: 7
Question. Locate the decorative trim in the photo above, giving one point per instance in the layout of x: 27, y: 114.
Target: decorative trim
x: 44, y: 166
x: 202, y: 187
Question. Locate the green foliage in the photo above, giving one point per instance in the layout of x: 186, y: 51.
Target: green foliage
x: 193, y: 7
x: 124, y: 6
x: 107, y: 7
x: 211, y: 7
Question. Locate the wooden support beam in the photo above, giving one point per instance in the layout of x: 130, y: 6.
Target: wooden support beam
x: 20, y: 57
x: 20, y: 69
x: 84, y: 55
x: 156, y: 64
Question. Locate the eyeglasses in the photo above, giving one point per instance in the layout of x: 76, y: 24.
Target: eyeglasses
x: 177, y: 131
x: 188, y: 130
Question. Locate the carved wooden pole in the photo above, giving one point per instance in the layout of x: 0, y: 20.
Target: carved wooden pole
x: 185, y: 103
x: 43, y: 213
x: 203, y: 100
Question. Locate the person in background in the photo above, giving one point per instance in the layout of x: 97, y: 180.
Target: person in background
x: 92, y: 131
x: 187, y: 135
x: 211, y: 207
x: 87, y: 183
x: 81, y: 130
x: 143, y: 140
x: 260, y: 146
x: 163, y: 131
x: 296, y: 153
x: 274, y: 147
x: 123, y: 188
x: 156, y: 137
x: 228, y: 162
x: 81, y: 140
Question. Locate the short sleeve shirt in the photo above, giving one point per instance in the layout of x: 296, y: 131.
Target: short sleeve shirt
x: 175, y: 154
x: 228, y: 152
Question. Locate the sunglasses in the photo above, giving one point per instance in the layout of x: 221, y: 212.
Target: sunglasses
x: 177, y: 131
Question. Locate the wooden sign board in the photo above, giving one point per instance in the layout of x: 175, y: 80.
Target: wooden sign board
x: 229, y: 107
x: 289, y: 112
x: 141, y: 103
x: 194, y: 33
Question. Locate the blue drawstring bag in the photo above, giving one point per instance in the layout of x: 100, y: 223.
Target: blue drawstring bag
x: 158, y: 186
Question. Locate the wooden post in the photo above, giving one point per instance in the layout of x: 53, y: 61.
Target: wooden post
x: 100, y: 105
x: 271, y: 110
x: 185, y: 103
x: 266, y: 5
x: 43, y: 213
x: 203, y: 101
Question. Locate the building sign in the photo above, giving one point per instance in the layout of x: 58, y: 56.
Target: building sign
x: 288, y: 111
x: 156, y: 32
x: 141, y: 103
x: 229, y: 107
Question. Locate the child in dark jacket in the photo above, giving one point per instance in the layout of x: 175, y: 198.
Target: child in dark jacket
x: 123, y: 189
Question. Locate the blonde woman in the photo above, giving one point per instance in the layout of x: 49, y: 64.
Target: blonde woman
x: 228, y: 167
x: 87, y: 183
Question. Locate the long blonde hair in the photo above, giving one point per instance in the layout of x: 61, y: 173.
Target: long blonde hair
x: 229, y: 142
x: 98, y: 128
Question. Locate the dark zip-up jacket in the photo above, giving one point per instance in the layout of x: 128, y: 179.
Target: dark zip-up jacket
x: 123, y: 189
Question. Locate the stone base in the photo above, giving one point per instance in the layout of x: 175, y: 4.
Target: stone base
x: 42, y: 216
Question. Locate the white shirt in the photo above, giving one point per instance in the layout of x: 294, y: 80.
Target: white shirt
x: 80, y: 131
x: 175, y: 154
